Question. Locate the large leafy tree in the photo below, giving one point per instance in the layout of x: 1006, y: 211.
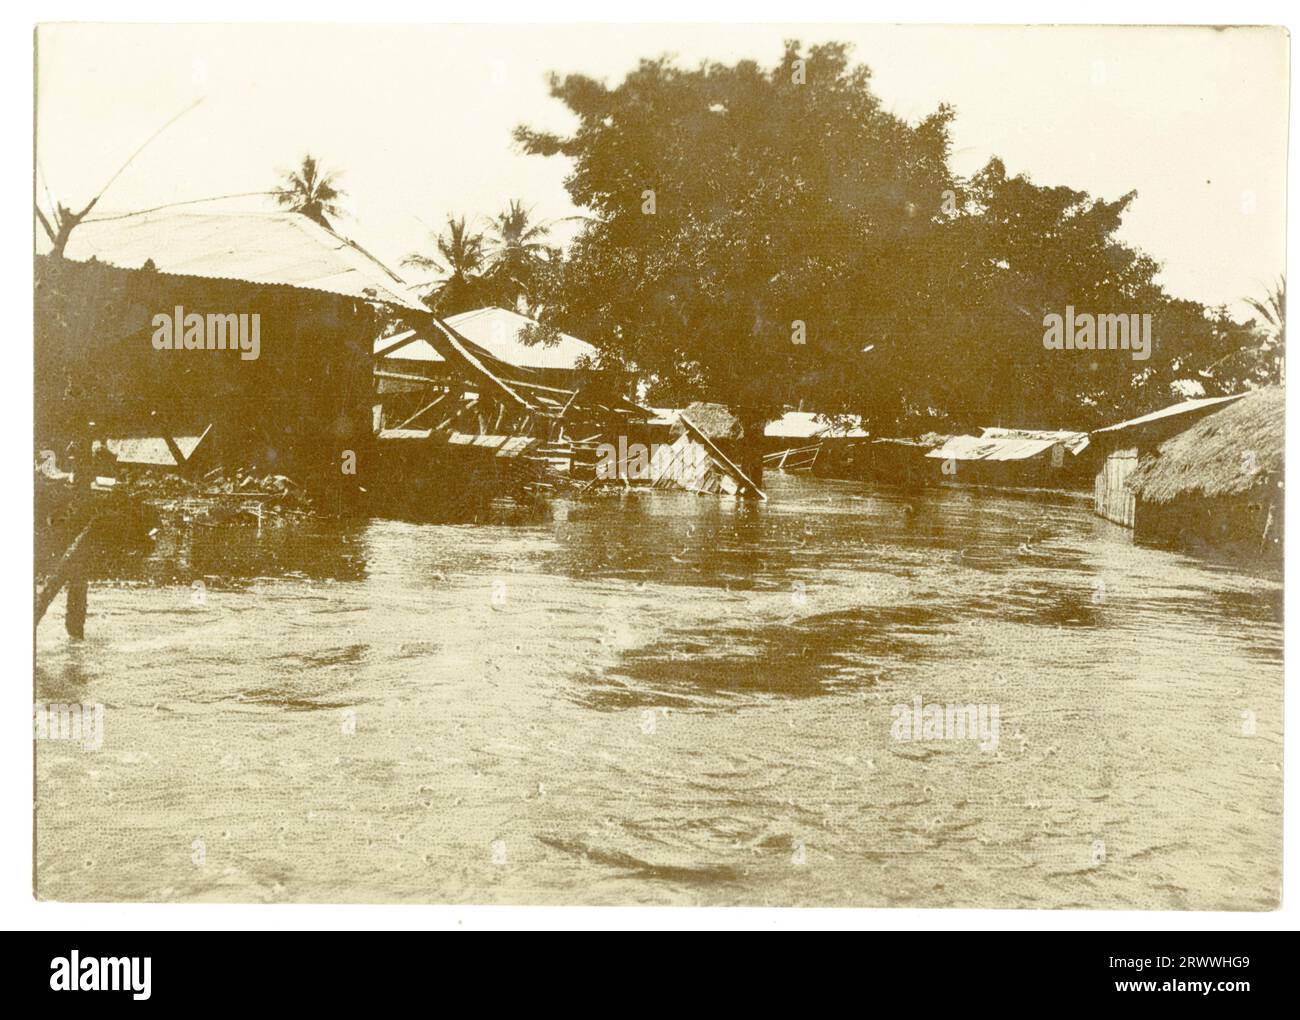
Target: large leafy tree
x: 1016, y: 252
x: 311, y: 191
x: 751, y: 227
x: 737, y: 211
x: 970, y: 342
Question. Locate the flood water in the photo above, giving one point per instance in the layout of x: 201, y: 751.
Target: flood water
x: 661, y: 698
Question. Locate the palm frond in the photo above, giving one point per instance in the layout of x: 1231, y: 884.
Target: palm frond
x: 310, y: 191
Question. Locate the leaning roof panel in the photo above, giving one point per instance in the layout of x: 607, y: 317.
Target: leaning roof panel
x: 1186, y: 407
x: 983, y: 448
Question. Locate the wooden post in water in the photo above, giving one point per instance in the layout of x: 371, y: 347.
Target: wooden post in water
x: 83, y: 477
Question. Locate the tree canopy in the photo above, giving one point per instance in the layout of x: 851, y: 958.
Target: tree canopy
x: 762, y: 236
x: 510, y: 264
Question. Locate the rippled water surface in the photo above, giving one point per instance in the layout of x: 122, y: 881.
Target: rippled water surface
x: 663, y: 698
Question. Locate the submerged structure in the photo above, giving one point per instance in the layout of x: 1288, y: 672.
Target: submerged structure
x: 180, y: 342
x: 799, y: 439
x: 499, y: 416
x: 1031, y: 458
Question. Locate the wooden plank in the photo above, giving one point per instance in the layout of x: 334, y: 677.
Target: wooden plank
x: 743, y: 481
x: 381, y: 373
x: 1112, y: 498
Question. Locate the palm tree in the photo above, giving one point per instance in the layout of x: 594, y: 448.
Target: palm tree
x: 519, y: 253
x: 463, y: 253
x: 1262, y: 359
x: 1272, y: 310
x: 310, y: 191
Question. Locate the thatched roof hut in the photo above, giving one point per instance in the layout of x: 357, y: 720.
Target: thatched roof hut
x: 1229, y: 453
x: 1217, y: 486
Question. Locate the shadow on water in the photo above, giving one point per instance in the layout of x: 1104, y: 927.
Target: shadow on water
x: 939, y: 561
x: 635, y: 867
x: 1265, y: 606
x: 236, y: 553
x: 799, y: 658
x: 308, y: 682
x: 271, y: 697
x: 1036, y: 603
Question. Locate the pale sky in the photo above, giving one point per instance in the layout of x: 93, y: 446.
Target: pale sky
x: 419, y: 118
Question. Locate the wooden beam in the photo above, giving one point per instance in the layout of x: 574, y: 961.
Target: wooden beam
x: 383, y: 373
x: 67, y: 565
x: 427, y: 407
x: 539, y: 386
x: 455, y: 414
x: 444, y: 336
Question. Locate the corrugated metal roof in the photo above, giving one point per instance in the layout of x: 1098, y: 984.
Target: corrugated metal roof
x: 917, y: 444
x: 807, y: 424
x: 281, y: 248
x: 497, y: 331
x: 406, y: 347
x: 983, y: 448
x: 152, y: 450
x: 1074, y: 442
x: 1186, y: 407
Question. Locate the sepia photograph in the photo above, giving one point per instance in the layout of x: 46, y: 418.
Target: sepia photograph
x: 659, y: 465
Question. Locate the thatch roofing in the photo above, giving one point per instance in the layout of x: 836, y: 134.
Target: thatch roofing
x: 714, y: 420
x: 1225, y: 454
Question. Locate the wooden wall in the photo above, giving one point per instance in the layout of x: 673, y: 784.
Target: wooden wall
x: 293, y: 410
x: 1112, y: 498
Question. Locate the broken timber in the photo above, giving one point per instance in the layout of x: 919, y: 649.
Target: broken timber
x: 743, y: 483
x: 473, y: 391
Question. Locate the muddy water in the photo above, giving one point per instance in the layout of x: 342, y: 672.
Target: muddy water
x: 662, y: 698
